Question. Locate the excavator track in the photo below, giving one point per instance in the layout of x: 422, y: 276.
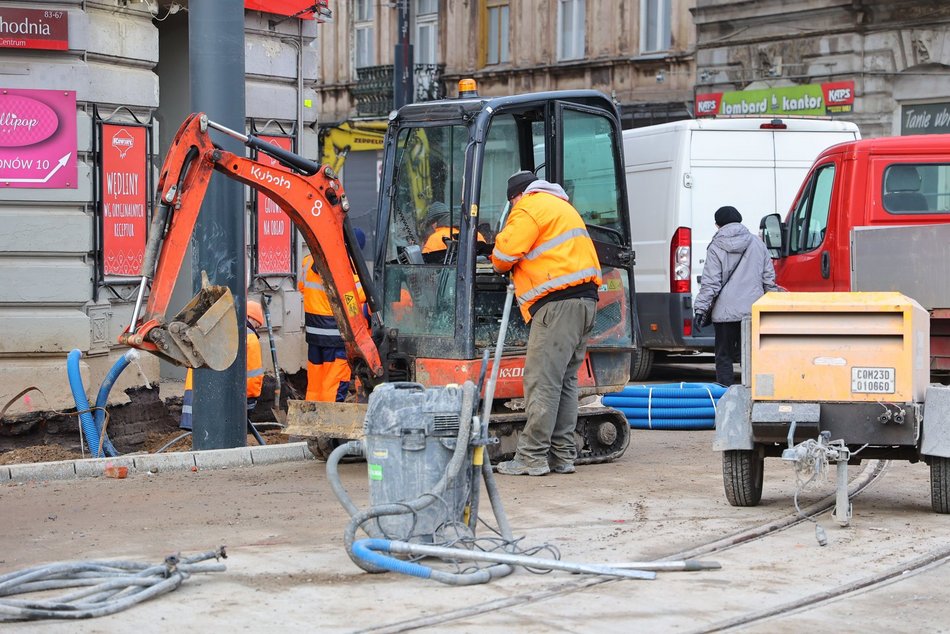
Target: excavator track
x: 602, y: 435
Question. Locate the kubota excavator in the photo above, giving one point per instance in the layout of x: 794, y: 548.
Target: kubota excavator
x: 434, y: 311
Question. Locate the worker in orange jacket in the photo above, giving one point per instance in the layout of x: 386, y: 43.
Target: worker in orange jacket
x: 255, y: 367
x: 556, y: 273
x: 438, y: 219
x: 328, y: 371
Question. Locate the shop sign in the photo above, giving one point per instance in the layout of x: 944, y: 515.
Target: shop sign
x: 807, y: 100
x: 274, y: 229
x: 124, y: 198
x: 925, y: 118
x: 38, y: 139
x: 34, y: 28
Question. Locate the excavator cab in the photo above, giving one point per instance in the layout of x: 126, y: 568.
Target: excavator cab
x: 446, y: 167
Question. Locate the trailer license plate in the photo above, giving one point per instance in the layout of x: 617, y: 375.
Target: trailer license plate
x: 872, y: 380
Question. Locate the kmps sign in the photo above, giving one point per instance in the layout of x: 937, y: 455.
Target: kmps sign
x: 34, y: 28
x: 38, y: 139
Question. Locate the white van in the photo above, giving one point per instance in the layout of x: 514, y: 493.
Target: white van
x: 678, y: 174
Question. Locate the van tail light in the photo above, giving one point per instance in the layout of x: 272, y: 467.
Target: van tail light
x: 681, y: 248
x: 774, y: 124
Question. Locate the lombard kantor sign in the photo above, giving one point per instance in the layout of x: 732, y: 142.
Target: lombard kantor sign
x: 34, y: 28
x: 808, y: 100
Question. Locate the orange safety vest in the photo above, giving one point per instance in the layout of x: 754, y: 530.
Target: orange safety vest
x: 255, y: 366
x: 435, y: 240
x: 320, y: 324
x: 546, y: 246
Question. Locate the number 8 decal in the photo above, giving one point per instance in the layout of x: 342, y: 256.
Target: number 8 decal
x: 317, y: 208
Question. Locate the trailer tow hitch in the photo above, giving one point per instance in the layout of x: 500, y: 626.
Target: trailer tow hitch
x: 811, y: 458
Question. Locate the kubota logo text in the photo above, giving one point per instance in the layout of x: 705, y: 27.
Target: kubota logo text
x: 270, y: 178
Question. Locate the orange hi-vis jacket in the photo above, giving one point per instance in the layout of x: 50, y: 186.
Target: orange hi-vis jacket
x: 435, y: 241
x: 320, y: 325
x: 255, y: 365
x: 546, y: 246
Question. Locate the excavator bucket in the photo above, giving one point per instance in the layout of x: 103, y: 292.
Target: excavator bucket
x: 324, y: 424
x: 205, y: 332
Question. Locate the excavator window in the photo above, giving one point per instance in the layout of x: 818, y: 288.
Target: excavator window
x: 423, y: 230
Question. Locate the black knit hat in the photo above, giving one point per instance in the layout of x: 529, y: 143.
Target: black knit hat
x: 518, y: 181
x: 726, y: 215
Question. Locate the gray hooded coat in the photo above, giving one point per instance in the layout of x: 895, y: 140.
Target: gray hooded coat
x: 754, y: 274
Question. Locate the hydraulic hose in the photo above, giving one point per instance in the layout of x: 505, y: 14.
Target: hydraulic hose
x: 86, y: 420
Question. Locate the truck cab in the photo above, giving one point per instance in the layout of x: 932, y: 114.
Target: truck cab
x: 872, y: 182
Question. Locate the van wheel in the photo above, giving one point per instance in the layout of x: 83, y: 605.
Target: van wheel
x: 742, y: 472
x: 940, y: 484
x: 640, y: 364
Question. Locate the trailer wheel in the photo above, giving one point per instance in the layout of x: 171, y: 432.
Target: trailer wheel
x: 742, y: 472
x: 640, y: 364
x: 940, y: 484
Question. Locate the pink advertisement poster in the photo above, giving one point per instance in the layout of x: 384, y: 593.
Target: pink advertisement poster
x: 38, y: 139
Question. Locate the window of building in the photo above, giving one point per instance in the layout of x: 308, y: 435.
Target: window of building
x: 364, y: 29
x: 495, y: 32
x: 655, y: 25
x: 426, y: 36
x: 571, y: 29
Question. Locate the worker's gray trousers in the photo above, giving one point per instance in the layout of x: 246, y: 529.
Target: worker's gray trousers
x: 557, y: 343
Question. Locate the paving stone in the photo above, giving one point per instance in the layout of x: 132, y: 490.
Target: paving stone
x: 217, y: 458
x: 43, y: 471
x: 158, y: 462
x: 93, y: 467
x: 268, y: 454
x: 4, y: 473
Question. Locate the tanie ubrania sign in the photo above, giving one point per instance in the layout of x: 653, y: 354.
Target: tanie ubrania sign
x: 38, y: 139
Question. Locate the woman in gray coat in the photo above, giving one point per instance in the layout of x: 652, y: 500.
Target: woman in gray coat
x: 737, y: 272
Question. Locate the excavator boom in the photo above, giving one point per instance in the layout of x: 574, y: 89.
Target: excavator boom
x: 204, y: 333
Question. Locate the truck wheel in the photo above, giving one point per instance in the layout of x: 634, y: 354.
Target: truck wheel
x: 742, y: 472
x: 940, y: 484
x: 640, y: 364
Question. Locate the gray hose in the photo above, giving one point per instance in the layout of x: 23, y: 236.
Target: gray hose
x: 107, y: 587
x: 351, y: 448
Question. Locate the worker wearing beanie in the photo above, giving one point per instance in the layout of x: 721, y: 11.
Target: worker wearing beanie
x: 328, y: 371
x: 255, y: 368
x: 556, y: 273
x: 738, y: 271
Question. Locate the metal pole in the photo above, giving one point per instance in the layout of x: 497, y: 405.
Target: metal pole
x: 216, y: 65
x: 402, y: 67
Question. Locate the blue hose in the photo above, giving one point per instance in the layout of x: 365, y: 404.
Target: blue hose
x: 668, y: 412
x: 670, y: 406
x: 82, y: 403
x: 103, y: 398
x: 365, y: 549
x: 665, y: 424
x: 92, y: 424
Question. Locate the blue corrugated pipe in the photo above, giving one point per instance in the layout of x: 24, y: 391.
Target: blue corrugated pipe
x: 669, y: 406
x: 92, y: 425
x: 103, y: 398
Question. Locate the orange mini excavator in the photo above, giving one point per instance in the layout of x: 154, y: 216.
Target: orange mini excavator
x: 434, y: 312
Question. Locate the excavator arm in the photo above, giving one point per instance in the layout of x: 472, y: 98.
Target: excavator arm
x: 205, y: 332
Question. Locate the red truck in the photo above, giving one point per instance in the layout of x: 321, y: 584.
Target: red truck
x: 887, y: 188
x: 871, y: 182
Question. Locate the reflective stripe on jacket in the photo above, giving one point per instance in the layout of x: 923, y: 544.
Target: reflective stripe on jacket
x: 320, y: 325
x: 546, y: 246
x: 255, y: 366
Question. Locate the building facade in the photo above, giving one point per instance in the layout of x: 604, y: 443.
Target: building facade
x: 893, y: 56
x: 80, y: 79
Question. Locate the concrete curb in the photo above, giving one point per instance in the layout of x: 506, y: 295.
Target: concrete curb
x: 156, y: 463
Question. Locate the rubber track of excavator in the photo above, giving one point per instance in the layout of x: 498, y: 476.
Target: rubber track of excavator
x: 602, y: 434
